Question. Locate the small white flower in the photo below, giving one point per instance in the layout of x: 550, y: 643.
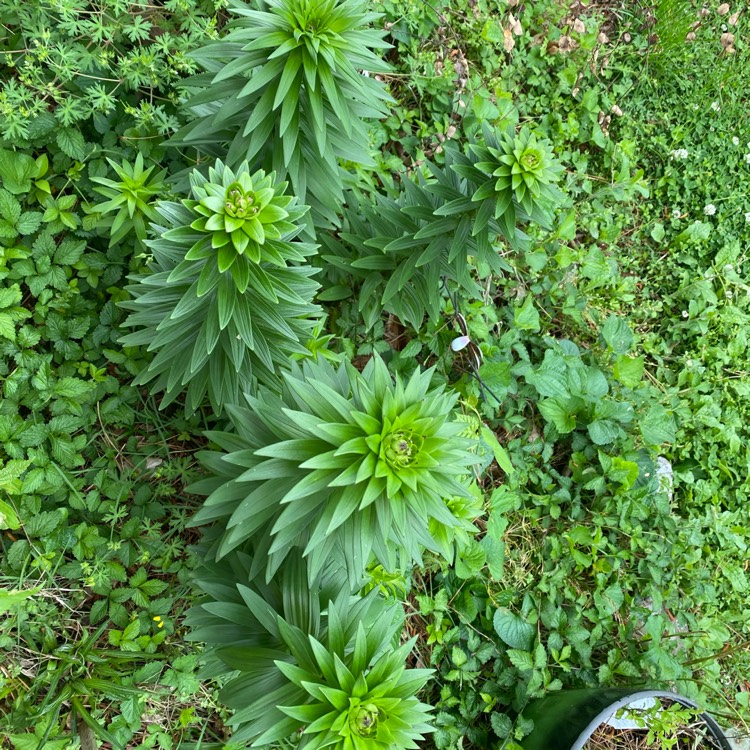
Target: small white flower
x: 728, y: 267
x: 685, y: 314
x: 709, y: 210
x: 747, y: 158
x: 676, y: 213
x: 747, y: 217
x: 715, y: 106
x: 680, y: 153
x: 689, y: 363
x: 736, y: 141
x: 729, y: 294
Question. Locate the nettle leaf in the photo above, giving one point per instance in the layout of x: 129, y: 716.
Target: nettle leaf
x: 513, y: 630
x: 470, y: 560
x: 71, y: 143
x: 603, y: 431
x: 558, y: 412
x: 551, y: 382
x: 526, y: 317
x: 658, y: 426
x: 609, y: 600
x: 617, y: 335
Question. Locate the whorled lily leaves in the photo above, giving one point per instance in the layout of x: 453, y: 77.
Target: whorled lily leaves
x: 313, y: 663
x: 343, y: 460
x: 524, y: 167
x: 228, y: 300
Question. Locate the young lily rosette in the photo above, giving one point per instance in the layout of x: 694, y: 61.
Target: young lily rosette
x: 316, y: 663
x: 344, y: 463
x: 228, y: 301
x: 519, y: 166
x: 363, y: 700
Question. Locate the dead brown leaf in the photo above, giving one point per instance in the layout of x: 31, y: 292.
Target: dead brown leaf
x: 604, y: 121
x: 579, y: 26
x: 508, y: 41
x: 723, y: 9
x: 727, y: 40
x: 566, y: 44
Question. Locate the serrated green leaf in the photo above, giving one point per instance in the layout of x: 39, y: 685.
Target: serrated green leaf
x: 603, y: 431
x: 513, y: 630
x: 557, y: 411
x: 658, y: 426
x: 521, y: 660
x: 71, y: 143
x: 617, y: 335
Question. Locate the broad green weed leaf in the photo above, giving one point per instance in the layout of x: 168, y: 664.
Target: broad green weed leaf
x: 557, y: 411
x: 610, y: 600
x: 16, y: 171
x: 526, y: 317
x: 11, y: 598
x: 603, y: 431
x: 629, y: 370
x: 8, y: 517
x: 658, y: 426
x: 513, y: 630
x: 617, y: 335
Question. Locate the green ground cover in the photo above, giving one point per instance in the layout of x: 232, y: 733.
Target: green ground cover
x: 343, y: 346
